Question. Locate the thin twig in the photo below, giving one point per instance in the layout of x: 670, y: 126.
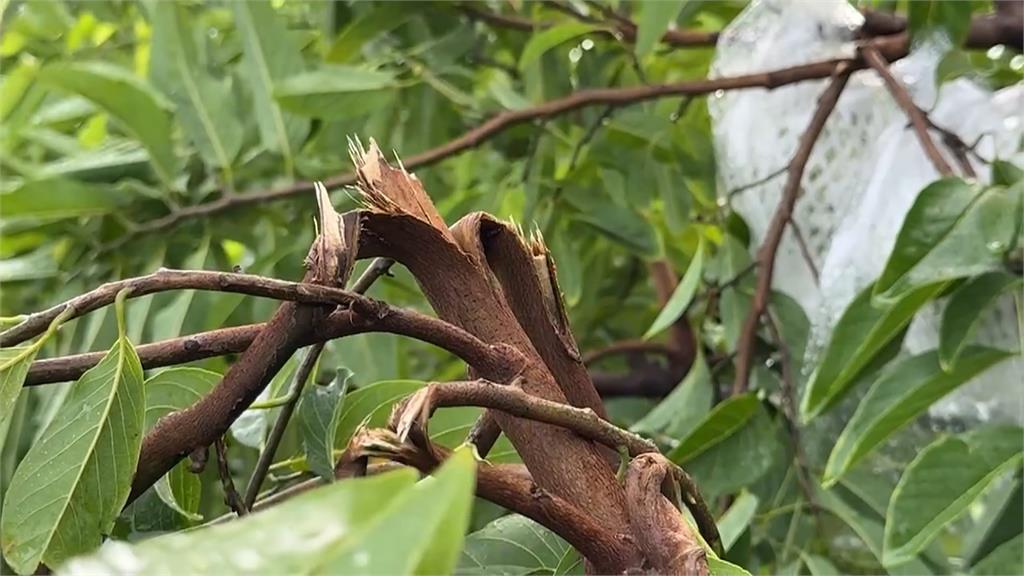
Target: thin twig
x: 231, y: 497
x: 783, y: 213
x: 960, y: 150
x: 377, y: 268
x: 895, y: 48
x: 259, y: 472
x: 588, y: 136
x: 763, y: 180
x: 805, y: 251
x: 412, y: 415
x: 917, y: 118
x: 627, y: 347
x: 166, y: 279
x: 684, y: 105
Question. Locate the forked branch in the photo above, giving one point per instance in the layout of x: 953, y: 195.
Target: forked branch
x: 783, y: 214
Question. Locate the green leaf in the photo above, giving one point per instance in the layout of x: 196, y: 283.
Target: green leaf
x: 868, y: 529
x: 14, y: 364
x: 685, y: 407
x: 515, y: 543
x: 270, y: 55
x: 449, y: 427
x: 109, y: 163
x: 55, y: 198
x: 655, y: 19
x: 794, y: 327
x: 289, y: 538
x: 250, y: 429
x: 935, y: 211
x: 950, y: 232
x: 205, y: 105
x: 723, y: 421
x: 319, y: 413
x: 733, y: 260
x: 421, y: 533
x: 380, y: 19
x: 756, y: 444
x: 737, y: 518
x: 382, y: 524
x: 169, y: 319
x: 1002, y: 521
x: 336, y: 92
x: 141, y: 110
x: 965, y: 309
x: 622, y: 224
x: 541, y: 43
x: 1006, y: 173
x: 819, y: 565
x: 1008, y: 558
x: 719, y: 567
x: 371, y: 405
x: 67, y: 492
x: 901, y: 393
x: 681, y: 296
x: 862, y: 333
x: 953, y: 17
x: 940, y: 484
x: 168, y: 391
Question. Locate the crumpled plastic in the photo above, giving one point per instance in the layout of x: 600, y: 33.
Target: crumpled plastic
x: 863, y: 175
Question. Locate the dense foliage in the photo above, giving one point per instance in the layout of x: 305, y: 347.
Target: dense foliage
x: 187, y: 135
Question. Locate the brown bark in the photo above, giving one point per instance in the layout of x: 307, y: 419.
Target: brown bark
x: 670, y: 545
x: 179, y: 433
x: 453, y: 273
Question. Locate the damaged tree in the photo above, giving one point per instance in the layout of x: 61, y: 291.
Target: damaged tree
x: 122, y: 454
x: 482, y: 277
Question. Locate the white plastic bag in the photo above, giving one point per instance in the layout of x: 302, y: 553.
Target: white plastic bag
x: 864, y: 174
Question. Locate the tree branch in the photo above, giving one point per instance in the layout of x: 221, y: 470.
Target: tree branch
x: 510, y: 486
x: 917, y: 118
x: 894, y: 48
x: 511, y: 399
x: 231, y: 497
x: 410, y: 417
x: 259, y: 472
x: 627, y: 347
x: 165, y: 279
x: 783, y: 213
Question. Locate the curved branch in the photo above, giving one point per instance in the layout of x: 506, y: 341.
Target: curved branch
x: 512, y: 487
x: 627, y: 347
x: 783, y: 213
x: 410, y: 417
x: 895, y: 48
x: 511, y: 399
x: 166, y: 279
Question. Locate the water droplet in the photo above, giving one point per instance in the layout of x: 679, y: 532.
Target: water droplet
x: 996, y: 52
x: 1017, y: 63
x: 587, y: 44
x: 769, y: 362
x: 996, y: 246
x: 719, y: 93
x: 575, y: 54
x: 362, y: 558
x: 213, y: 33
x: 722, y: 202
